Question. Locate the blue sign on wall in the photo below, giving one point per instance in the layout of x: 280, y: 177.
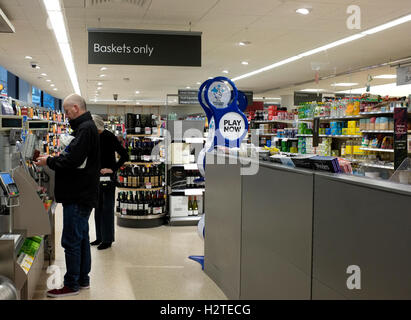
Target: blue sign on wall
x: 48, y: 101
x: 36, y: 96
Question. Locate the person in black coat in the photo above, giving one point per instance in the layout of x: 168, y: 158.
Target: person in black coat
x: 104, y: 213
x: 76, y: 187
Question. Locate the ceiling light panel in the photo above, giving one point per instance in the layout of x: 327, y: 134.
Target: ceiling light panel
x: 58, y: 24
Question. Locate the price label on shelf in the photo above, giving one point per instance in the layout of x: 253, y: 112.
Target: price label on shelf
x: 148, y: 185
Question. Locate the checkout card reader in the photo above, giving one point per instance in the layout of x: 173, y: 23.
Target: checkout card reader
x: 8, y: 185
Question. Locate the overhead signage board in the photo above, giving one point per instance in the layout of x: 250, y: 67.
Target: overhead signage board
x: 249, y: 95
x: 302, y: 97
x: 144, y: 47
x: 188, y: 97
x: 403, y: 76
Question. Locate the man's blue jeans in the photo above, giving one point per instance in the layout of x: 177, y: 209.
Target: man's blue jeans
x: 76, y: 244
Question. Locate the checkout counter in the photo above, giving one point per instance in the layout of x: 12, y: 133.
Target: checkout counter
x: 291, y: 233
x: 22, y: 212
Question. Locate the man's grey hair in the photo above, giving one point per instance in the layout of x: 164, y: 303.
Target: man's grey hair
x: 75, y: 99
x: 99, y: 122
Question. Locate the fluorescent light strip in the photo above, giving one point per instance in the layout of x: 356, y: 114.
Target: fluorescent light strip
x: 57, y: 21
x: 328, y: 46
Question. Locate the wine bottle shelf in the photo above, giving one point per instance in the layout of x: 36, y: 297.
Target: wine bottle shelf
x: 147, y: 217
x: 139, y: 189
x: 142, y: 163
x: 142, y: 135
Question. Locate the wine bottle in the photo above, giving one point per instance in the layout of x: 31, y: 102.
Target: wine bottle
x: 125, y: 183
x: 118, y: 210
x: 147, y: 129
x: 150, y: 203
x: 188, y: 179
x: 129, y: 177
x: 190, y: 206
x: 140, y: 204
x: 135, y: 206
x: 195, y: 206
x: 153, y: 125
x: 130, y: 151
x: 123, y: 205
x: 148, y: 175
x: 138, y: 124
x: 146, y: 203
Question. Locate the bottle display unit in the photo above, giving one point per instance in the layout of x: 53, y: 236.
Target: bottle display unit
x: 142, y: 198
x: 141, y: 176
x: 141, y: 203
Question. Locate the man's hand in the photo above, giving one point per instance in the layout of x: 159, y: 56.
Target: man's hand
x: 41, y: 161
x: 105, y: 171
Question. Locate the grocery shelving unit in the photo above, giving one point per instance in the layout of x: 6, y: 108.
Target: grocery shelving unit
x: 365, y: 115
x: 198, y: 143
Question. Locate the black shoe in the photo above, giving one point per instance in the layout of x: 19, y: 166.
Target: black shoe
x: 95, y: 243
x: 104, y: 245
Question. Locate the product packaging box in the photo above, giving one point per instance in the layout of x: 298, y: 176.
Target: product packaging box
x: 180, y: 153
x: 178, y: 178
x: 178, y: 206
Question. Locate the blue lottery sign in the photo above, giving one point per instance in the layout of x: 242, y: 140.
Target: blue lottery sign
x: 223, y: 105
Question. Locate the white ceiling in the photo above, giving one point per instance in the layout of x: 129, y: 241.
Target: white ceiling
x: 276, y: 32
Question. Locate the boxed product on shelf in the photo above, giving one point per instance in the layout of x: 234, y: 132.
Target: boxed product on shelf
x: 178, y: 206
x: 180, y: 153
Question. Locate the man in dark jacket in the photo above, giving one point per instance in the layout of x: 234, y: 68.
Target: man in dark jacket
x: 77, y: 189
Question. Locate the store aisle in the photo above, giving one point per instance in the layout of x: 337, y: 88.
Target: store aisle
x: 142, y: 264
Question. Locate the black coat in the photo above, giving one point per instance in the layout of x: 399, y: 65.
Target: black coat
x: 74, y: 185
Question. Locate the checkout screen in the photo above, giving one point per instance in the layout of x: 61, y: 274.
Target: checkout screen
x: 6, y: 178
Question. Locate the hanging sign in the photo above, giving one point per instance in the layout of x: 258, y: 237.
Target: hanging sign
x: 144, y: 47
x: 188, y: 97
x: 403, y: 76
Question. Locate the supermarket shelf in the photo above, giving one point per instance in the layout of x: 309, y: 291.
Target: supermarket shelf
x: 340, y: 118
x: 187, y: 166
x: 371, y: 165
x: 142, y: 163
x: 194, y: 140
x: 285, y: 138
x: 276, y: 121
x: 139, y: 189
x: 377, y: 131
x: 361, y: 115
x: 345, y: 136
x: 143, y: 135
x: 376, y: 112
x: 377, y: 150
x: 186, y: 219
x: 189, y: 192
x: 148, y: 217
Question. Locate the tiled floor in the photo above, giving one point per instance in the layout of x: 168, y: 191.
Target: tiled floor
x: 142, y: 264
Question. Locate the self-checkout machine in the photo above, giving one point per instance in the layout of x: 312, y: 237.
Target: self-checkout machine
x: 37, y: 132
x: 22, y: 213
